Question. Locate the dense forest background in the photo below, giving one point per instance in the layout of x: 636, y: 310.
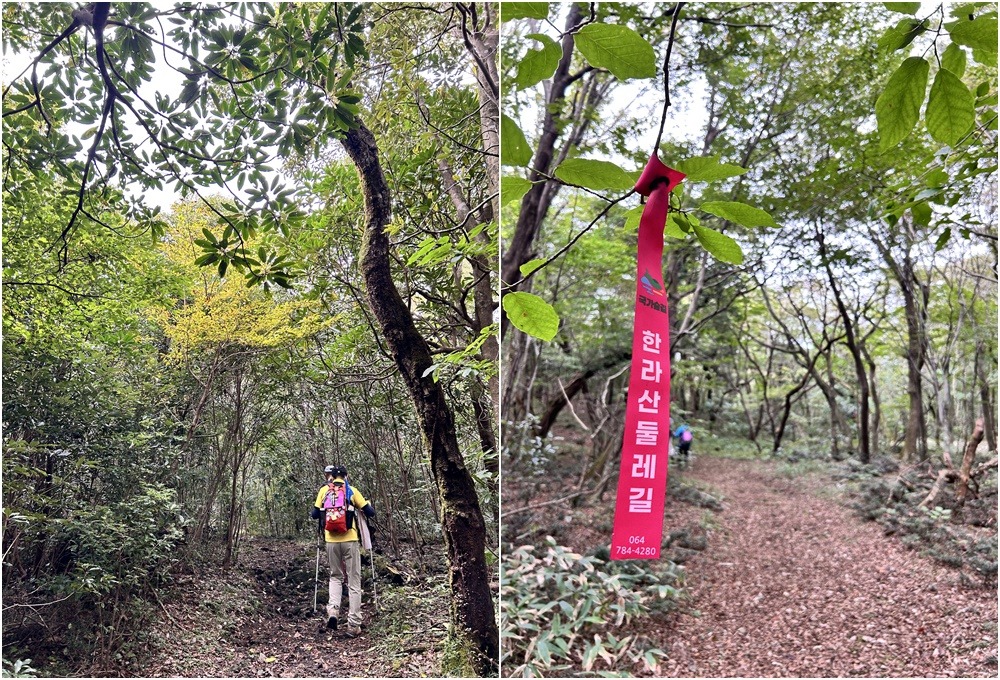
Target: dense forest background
x: 876, y: 296
x: 174, y: 382
x: 831, y: 271
x: 323, y: 289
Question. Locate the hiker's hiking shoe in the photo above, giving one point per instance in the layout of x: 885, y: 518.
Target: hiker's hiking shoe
x: 353, y: 631
x: 331, y: 623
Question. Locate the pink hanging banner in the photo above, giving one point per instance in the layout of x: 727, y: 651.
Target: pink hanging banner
x: 642, y: 480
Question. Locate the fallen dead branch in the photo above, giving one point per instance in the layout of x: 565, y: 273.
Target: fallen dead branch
x: 967, y: 460
x: 556, y: 501
x: 962, y: 476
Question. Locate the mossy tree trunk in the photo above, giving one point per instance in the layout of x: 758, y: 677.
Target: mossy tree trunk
x: 472, y: 614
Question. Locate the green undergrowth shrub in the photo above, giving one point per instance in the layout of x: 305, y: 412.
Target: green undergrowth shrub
x: 565, y: 613
x: 82, y: 572
x: 943, y: 532
x: 709, y: 442
x: 801, y: 468
x: 20, y: 668
x: 689, y: 491
x: 932, y: 532
x: 524, y: 450
x: 799, y: 452
x: 853, y: 469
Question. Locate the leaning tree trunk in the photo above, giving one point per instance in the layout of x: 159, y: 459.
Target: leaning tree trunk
x: 876, y: 403
x: 534, y: 204
x: 915, y: 298
x: 915, y: 444
x: 860, y: 372
x: 472, y: 616
x: 989, y: 420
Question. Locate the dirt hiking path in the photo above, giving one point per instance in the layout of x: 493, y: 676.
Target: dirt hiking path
x: 793, y: 584
x: 257, y: 621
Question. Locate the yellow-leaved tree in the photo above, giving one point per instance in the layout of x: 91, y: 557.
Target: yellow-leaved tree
x: 222, y: 313
x: 232, y: 342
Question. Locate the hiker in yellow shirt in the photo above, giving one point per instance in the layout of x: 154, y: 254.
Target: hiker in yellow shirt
x: 336, y: 504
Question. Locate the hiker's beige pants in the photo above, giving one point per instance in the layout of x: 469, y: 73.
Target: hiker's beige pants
x: 345, y: 560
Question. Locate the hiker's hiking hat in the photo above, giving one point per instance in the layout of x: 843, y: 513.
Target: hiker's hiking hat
x: 336, y: 471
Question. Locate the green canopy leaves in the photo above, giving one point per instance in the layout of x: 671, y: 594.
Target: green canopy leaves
x: 594, y: 174
x: 531, y: 314
x: 722, y: 247
x: 980, y: 34
x: 512, y: 188
x: 523, y: 10
x: 951, y: 108
x: 903, y: 7
x: 617, y: 48
x: 514, y: 148
x: 537, y: 65
x: 898, y: 109
x: 740, y: 213
x: 707, y: 169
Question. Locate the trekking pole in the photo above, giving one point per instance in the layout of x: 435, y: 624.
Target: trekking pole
x: 319, y: 545
x: 374, y: 587
x: 316, y: 581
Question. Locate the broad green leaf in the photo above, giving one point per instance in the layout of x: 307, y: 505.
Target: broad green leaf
x: 951, y: 108
x: 523, y: 10
x: 677, y: 226
x: 514, y: 149
x: 532, y: 315
x: 530, y: 266
x: 954, y: 59
x: 964, y: 10
x: 980, y: 34
x: 438, y: 254
x: 936, y: 178
x: 190, y: 92
x: 943, y: 239
x: 537, y: 65
x: 985, y: 57
x: 898, y: 108
x: 740, y: 213
x: 425, y: 247
x: 927, y: 194
x: 903, y: 7
x: 632, y: 217
x: 707, y: 168
x: 921, y: 214
x: 594, y: 174
x: 617, y: 48
x: 722, y: 247
x: 513, y: 189
x: 902, y: 34
x: 207, y: 259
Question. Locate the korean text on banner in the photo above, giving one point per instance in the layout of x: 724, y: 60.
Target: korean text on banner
x: 642, y: 480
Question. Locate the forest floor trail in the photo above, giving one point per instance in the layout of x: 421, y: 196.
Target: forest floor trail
x: 792, y: 583
x: 257, y: 620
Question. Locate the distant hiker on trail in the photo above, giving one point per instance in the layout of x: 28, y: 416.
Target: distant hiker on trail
x: 684, y: 437
x: 335, y: 506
